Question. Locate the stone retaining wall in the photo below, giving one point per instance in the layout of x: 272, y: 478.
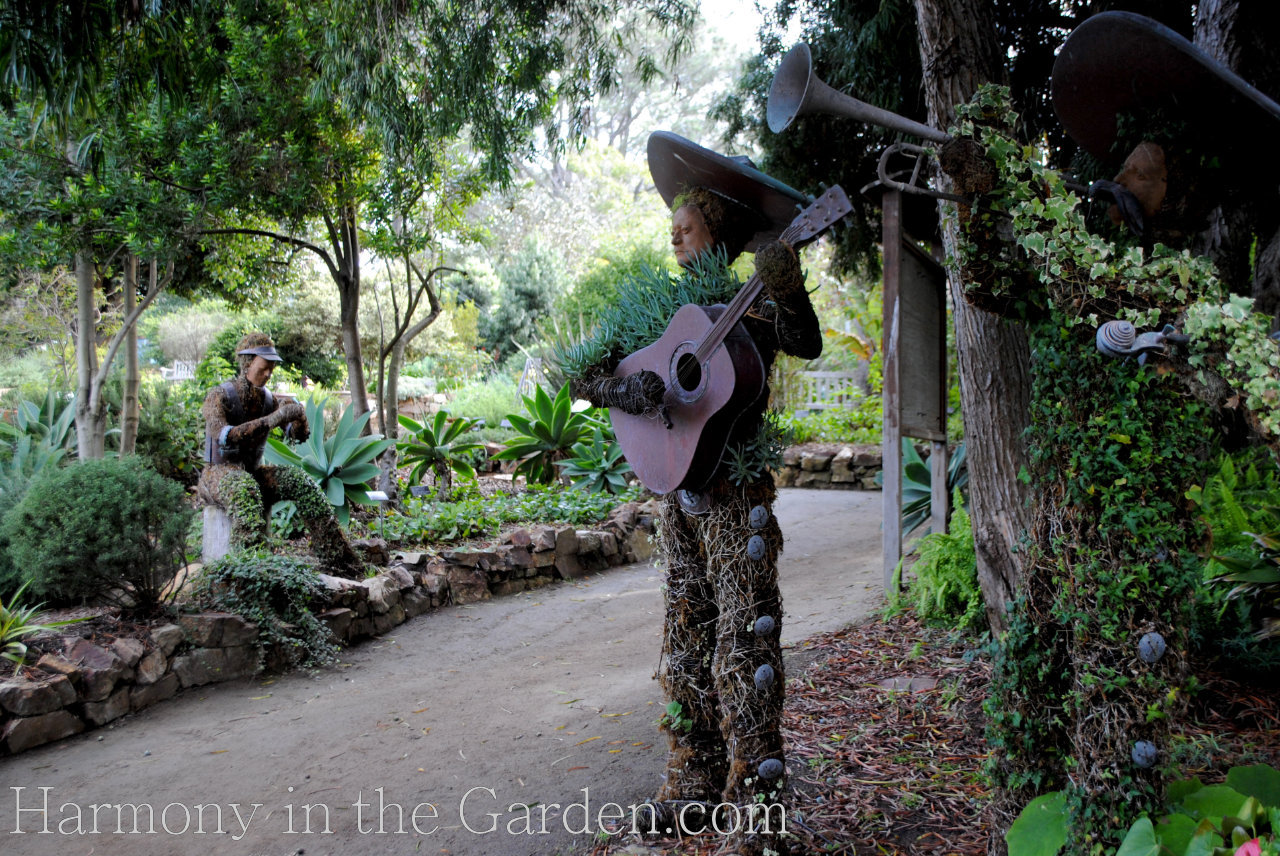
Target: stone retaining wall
x: 851, y: 467
x: 92, y: 683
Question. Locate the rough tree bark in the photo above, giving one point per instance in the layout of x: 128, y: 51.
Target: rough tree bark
x: 1238, y: 33
x: 958, y: 53
x: 130, y: 417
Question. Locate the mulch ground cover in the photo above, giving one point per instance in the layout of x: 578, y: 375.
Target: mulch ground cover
x: 884, y: 730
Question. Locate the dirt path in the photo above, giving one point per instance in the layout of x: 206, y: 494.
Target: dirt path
x: 470, y: 715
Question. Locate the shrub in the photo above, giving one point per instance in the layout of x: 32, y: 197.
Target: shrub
x: 275, y: 593
x: 442, y: 445
x: 946, y: 586
x: 489, y: 400
x: 340, y: 464
x: 546, y: 435
x: 108, y: 529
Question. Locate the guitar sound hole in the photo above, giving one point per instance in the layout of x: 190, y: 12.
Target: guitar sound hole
x: 688, y: 372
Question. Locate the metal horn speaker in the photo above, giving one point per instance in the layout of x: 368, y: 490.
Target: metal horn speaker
x: 796, y: 90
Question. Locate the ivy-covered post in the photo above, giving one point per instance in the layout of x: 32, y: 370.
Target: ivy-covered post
x: 1093, y: 667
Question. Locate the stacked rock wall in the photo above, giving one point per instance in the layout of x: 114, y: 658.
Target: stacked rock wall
x: 852, y: 467
x: 94, y: 682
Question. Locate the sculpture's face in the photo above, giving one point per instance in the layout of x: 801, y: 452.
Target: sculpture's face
x: 689, y: 234
x: 1145, y: 176
x: 259, y: 371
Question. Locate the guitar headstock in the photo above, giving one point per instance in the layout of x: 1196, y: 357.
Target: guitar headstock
x: 822, y: 214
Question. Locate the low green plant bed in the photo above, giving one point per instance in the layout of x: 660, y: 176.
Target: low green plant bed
x: 469, y: 515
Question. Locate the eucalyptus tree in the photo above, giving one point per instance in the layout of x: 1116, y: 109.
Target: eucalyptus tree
x: 322, y: 107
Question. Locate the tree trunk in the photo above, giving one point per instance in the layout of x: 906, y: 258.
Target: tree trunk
x: 90, y: 414
x: 1238, y: 34
x: 958, y: 52
x: 129, y: 418
x: 390, y: 407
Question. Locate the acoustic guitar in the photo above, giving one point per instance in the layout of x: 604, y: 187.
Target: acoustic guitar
x: 713, y: 373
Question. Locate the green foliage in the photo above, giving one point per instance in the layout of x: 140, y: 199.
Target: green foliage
x: 751, y: 460
x: 286, y: 521
x: 443, y: 446
x: 488, y: 400
x: 26, y: 461
x: 917, y: 483
x: 946, y: 586
x: 597, y: 466
x: 1240, y: 503
x: 1041, y: 828
x: 597, y: 290
x: 105, y: 529
x: 531, y: 283
x: 340, y: 464
x: 858, y: 424
x: 673, y: 718
x: 170, y: 424
x: 546, y: 435
x: 1213, y: 819
x: 18, y: 622
x: 50, y: 424
x: 425, y: 520
x: 645, y: 304
x: 276, y: 593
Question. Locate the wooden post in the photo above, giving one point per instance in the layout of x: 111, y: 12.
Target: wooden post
x: 891, y: 433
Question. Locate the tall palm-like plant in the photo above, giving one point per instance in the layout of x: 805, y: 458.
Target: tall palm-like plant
x: 341, y: 464
x: 547, y: 434
x: 439, y: 446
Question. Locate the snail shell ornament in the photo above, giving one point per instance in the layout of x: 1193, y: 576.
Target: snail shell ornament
x: 1144, y: 754
x: 764, y: 677
x: 1116, y: 338
x: 1151, y: 647
x: 758, y: 517
x: 755, y: 548
x: 770, y: 768
x: 764, y: 625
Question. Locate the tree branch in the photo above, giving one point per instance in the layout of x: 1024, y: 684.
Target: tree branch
x: 284, y: 239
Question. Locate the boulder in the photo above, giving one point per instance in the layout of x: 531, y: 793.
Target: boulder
x: 28, y: 731
x: 467, y: 585
x: 400, y: 577
x: 59, y: 665
x: 415, y: 602
x: 150, y: 668
x: 569, y: 567
x: 22, y: 697
x: 639, y: 545
x: 588, y: 542
x: 339, y: 621
x: 814, y: 462
x: 144, y: 697
x: 383, y: 594
x: 130, y: 651
x: 102, y: 712
x: 811, y: 478
x: 210, y: 665
x: 544, y: 538
x: 566, y: 541
x: 217, y: 630
x: 519, y: 538
x: 373, y: 550
x: 100, y: 669
x: 167, y: 638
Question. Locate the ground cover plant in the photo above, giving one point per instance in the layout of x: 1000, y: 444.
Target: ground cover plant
x: 470, y: 514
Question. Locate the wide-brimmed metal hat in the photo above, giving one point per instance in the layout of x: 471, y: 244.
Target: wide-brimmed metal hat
x: 267, y: 352
x: 679, y: 165
x: 1120, y: 62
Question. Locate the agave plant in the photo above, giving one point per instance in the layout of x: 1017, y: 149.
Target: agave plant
x: 440, y: 446
x: 17, y: 623
x: 547, y: 434
x: 341, y: 464
x: 917, y: 483
x: 597, y: 466
x: 48, y: 424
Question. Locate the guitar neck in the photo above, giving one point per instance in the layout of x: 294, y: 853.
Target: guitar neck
x: 741, y: 303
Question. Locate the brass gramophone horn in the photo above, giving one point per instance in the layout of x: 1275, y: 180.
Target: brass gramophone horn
x: 796, y: 91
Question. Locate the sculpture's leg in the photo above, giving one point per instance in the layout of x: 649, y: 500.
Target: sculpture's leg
x: 744, y: 540
x: 696, y: 766
x: 236, y: 492
x: 328, y: 541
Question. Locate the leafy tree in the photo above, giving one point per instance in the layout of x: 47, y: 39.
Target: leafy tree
x: 531, y: 283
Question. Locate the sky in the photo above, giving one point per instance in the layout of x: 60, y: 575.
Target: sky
x: 737, y: 21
